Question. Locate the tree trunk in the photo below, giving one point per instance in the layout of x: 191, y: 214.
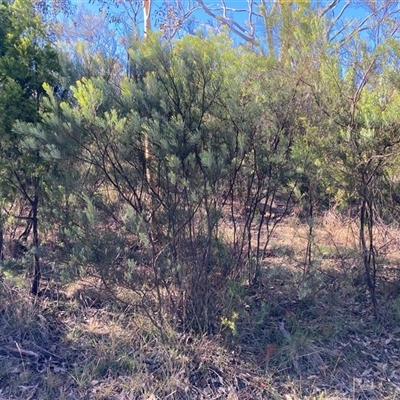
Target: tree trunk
x: 1, y: 243
x: 37, y: 272
x: 367, y: 246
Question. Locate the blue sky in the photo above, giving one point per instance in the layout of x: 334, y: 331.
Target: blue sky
x: 353, y: 10
x: 202, y: 18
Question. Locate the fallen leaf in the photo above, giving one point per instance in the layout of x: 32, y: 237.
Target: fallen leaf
x: 382, y: 367
x: 387, y: 341
x: 367, y: 372
x: 394, y: 375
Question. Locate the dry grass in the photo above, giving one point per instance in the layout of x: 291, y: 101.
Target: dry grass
x: 294, y: 337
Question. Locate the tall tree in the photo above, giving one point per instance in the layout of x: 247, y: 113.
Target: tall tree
x: 27, y: 60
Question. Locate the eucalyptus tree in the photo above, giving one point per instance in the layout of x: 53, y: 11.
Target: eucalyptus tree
x: 171, y: 18
x: 265, y: 26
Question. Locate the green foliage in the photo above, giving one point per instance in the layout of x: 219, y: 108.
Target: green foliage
x: 166, y: 185
x: 89, y: 47
x: 199, y: 132
x: 27, y: 61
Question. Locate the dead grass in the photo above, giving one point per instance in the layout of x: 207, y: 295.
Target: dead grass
x: 293, y: 337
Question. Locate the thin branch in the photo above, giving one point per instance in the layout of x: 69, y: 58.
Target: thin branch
x: 234, y: 26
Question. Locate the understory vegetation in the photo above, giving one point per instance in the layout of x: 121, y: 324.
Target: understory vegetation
x: 207, y: 220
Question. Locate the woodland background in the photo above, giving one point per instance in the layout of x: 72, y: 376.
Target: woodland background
x: 210, y: 211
